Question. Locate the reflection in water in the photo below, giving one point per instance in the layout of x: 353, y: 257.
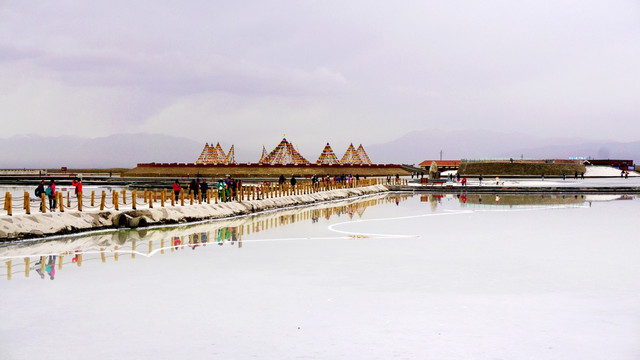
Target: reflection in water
x: 518, y: 201
x: 46, y: 256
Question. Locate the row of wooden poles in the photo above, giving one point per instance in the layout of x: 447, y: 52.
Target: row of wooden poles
x: 151, y: 197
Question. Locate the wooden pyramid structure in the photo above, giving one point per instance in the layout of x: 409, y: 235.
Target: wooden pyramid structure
x: 285, y: 154
x: 328, y: 157
x: 231, y: 156
x: 202, y: 159
x: 263, y: 157
x: 351, y: 156
x: 214, y: 155
x: 363, y: 155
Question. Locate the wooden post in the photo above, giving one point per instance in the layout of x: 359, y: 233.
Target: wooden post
x: 191, y: 196
x: 173, y: 198
x: 27, y: 203
x: 150, y: 200
x: 199, y: 196
x: 115, y: 199
x: 60, y: 200
x: 104, y: 197
x: 68, y: 200
x: 181, y: 197
x: 145, y: 195
x: 215, y: 195
x: 134, y: 197
x: 80, y: 201
x: 43, y: 203
x: 124, y: 196
x: 93, y: 198
x: 163, y: 197
x: 155, y: 195
x: 9, y: 200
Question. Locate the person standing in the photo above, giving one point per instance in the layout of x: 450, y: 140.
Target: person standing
x: 51, y: 192
x: 40, y: 189
x: 204, y: 188
x: 77, y: 184
x: 293, y: 182
x: 193, y: 188
x: 176, y: 189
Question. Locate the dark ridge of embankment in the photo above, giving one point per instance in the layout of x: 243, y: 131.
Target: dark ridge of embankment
x: 516, y: 189
x: 505, y: 168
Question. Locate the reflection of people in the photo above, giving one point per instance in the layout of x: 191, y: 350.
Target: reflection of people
x: 51, y: 266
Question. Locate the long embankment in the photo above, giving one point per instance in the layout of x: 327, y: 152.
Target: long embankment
x: 37, y: 225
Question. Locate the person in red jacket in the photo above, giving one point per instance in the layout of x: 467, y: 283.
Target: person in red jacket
x: 77, y: 183
x: 176, y: 189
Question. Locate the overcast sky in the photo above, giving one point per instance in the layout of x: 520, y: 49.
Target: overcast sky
x: 367, y: 72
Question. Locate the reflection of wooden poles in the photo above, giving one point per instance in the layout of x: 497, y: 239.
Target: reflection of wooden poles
x: 133, y: 249
x: 79, y: 263
x: 161, y: 246
x: 115, y: 253
x: 150, y: 246
x: 27, y: 267
x: 42, y: 264
x: 60, y: 258
x: 9, y: 269
x: 102, y: 255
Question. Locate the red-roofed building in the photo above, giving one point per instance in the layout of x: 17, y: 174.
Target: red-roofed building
x: 443, y: 165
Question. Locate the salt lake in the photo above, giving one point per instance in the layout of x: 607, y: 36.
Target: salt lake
x: 502, y: 276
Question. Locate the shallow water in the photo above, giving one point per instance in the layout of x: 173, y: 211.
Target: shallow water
x: 491, y: 276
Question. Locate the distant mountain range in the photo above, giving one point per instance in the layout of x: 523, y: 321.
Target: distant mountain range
x: 126, y: 150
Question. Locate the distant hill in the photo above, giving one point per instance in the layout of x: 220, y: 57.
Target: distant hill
x: 122, y: 150
x: 417, y: 146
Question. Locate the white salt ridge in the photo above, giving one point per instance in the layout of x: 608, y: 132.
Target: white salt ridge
x: 38, y: 224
